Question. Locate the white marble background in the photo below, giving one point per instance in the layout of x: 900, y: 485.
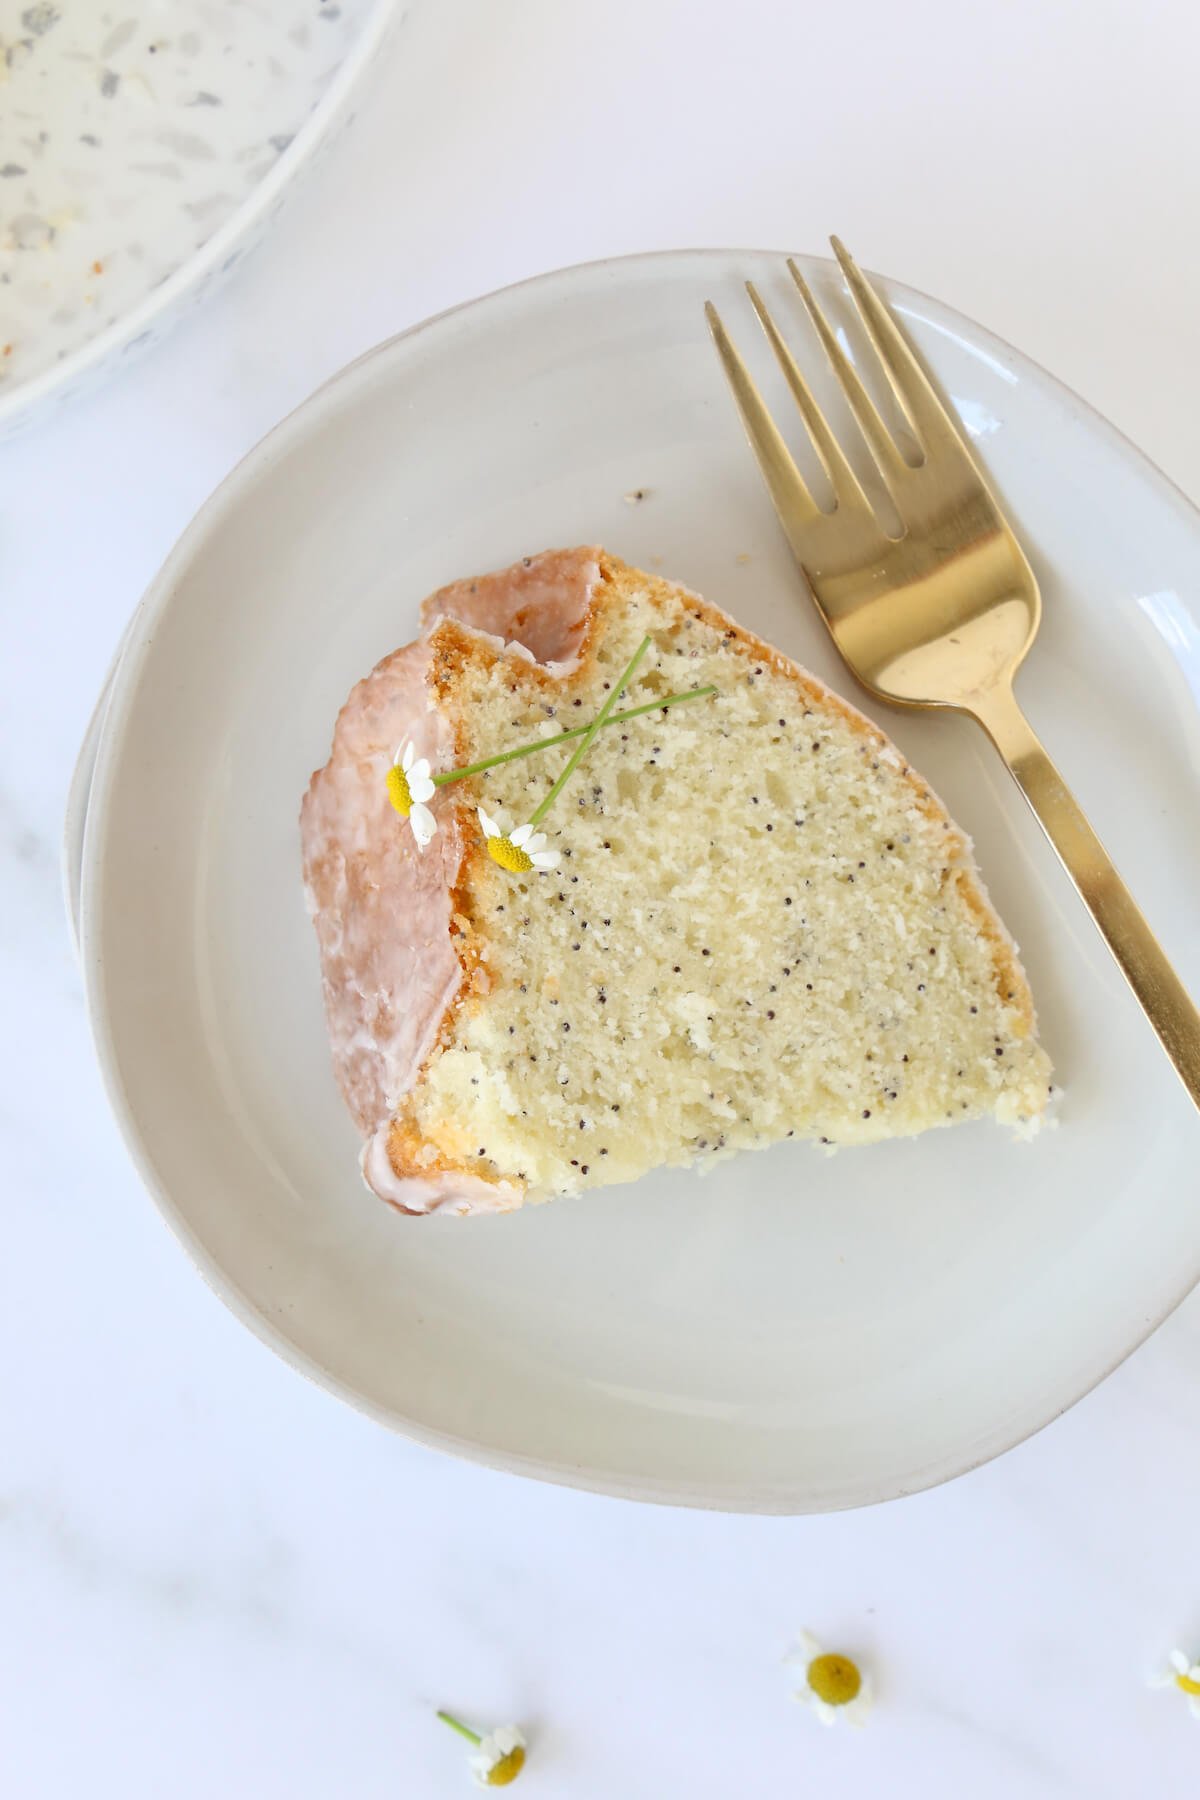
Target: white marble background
x: 215, y: 1580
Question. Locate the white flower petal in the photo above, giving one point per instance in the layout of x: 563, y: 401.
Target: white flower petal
x: 530, y: 844
x: 420, y: 787
x: 826, y: 1713
x: 491, y: 827
x: 546, y: 859
x: 858, y: 1711
x: 1193, y: 1673
x: 424, y: 825
x: 1194, y: 1705
x: 1179, y: 1662
x: 406, y: 753
x: 508, y: 1738
x: 803, y: 1650
x: 420, y: 769
x: 521, y: 836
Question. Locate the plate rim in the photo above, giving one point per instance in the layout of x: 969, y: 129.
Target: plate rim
x: 125, y: 681
x: 22, y: 401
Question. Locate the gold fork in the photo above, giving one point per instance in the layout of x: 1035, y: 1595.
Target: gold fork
x: 944, y: 614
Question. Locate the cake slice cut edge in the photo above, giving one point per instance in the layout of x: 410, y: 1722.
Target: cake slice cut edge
x: 763, y: 924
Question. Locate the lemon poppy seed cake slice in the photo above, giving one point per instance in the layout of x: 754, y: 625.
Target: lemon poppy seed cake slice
x: 760, y: 924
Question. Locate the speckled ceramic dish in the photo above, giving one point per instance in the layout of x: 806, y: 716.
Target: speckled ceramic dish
x: 142, y: 147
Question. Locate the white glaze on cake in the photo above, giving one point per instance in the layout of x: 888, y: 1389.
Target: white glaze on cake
x: 381, y: 907
x: 454, y: 1192
x: 540, y: 603
x: 383, y: 910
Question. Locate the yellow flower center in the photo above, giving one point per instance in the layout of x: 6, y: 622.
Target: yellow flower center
x: 510, y: 1766
x: 834, y: 1679
x: 1187, y: 1685
x: 398, y: 790
x: 505, y: 852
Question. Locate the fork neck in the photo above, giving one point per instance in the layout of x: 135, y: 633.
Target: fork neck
x: 998, y: 711
x: 1138, y: 954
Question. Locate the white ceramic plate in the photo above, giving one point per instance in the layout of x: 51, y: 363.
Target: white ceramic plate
x: 791, y: 1332
x: 143, y: 149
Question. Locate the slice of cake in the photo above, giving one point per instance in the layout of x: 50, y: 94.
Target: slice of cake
x: 761, y: 925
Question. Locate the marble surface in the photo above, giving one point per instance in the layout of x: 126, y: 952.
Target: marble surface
x: 213, y: 1578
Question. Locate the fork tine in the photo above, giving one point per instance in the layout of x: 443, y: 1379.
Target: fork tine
x: 909, y: 382
x: 793, y: 502
x: 892, y: 465
x: 846, y: 489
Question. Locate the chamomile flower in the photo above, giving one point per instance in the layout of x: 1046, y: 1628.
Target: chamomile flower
x: 1182, y: 1673
x: 834, y: 1685
x: 520, y: 849
x: 499, y: 1755
x: 409, y: 786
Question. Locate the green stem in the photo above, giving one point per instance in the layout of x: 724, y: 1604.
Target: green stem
x: 472, y: 1737
x: 617, y: 718
x: 591, y: 733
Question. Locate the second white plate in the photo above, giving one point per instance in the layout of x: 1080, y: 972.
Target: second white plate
x: 789, y: 1333
x: 144, y: 151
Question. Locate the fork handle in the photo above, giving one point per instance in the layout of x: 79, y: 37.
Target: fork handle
x: 1160, y: 993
